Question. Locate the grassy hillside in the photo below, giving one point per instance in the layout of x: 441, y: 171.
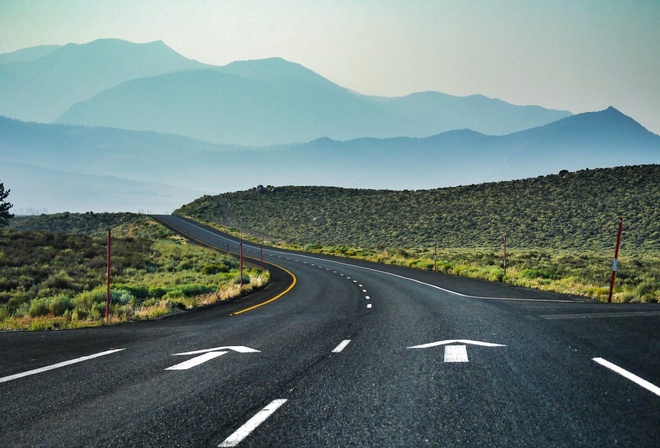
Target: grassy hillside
x: 53, y: 275
x: 561, y: 226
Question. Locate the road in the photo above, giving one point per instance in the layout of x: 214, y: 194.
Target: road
x: 354, y: 354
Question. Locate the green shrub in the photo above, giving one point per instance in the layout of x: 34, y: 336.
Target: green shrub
x: 533, y: 274
x: 38, y: 307
x: 212, y: 269
x: 157, y: 292
x: 58, y: 306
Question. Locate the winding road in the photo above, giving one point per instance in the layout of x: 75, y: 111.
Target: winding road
x: 349, y: 354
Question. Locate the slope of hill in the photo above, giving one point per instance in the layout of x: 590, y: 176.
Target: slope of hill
x: 563, y: 211
x: 273, y: 101
x: 41, y: 83
x: 560, y: 229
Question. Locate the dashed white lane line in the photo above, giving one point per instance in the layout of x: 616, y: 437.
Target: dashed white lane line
x: 252, y: 424
x: 369, y: 305
x: 631, y: 376
x: 367, y: 297
x: 57, y: 366
x: 341, y: 346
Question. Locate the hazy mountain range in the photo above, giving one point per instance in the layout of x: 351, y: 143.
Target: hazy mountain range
x: 140, y: 127
x: 90, y: 168
x: 272, y: 101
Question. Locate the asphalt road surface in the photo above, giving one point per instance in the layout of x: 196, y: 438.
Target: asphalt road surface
x: 349, y: 354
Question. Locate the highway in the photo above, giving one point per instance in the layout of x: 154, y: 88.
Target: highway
x: 350, y: 354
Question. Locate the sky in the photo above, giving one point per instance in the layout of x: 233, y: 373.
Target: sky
x: 578, y: 55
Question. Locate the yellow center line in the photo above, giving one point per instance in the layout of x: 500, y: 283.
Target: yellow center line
x: 295, y: 279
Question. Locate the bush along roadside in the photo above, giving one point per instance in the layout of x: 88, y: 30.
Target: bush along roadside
x: 57, y: 280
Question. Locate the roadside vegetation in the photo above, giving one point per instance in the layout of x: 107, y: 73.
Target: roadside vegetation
x: 560, y: 229
x: 51, y: 279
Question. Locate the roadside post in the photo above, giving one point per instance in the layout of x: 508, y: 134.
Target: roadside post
x: 505, y: 254
x: 107, y: 291
x: 615, y: 263
x: 240, y: 257
x: 262, y: 257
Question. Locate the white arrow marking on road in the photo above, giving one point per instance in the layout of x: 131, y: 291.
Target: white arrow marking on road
x: 196, y: 361
x: 457, y: 353
x: 460, y: 341
x: 236, y: 348
x: 207, y: 355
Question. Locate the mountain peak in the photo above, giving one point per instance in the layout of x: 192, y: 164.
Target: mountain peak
x: 275, y: 67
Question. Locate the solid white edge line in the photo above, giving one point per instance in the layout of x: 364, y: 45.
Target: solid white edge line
x: 58, y: 365
x: 631, y: 376
x: 341, y: 346
x: 252, y: 424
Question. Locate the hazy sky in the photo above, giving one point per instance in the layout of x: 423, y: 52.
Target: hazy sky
x: 578, y: 55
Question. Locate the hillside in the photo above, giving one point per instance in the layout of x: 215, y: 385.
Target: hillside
x: 574, y: 211
x: 53, y: 271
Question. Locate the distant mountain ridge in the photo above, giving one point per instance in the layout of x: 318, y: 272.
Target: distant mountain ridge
x: 115, y: 83
x: 460, y: 157
x: 273, y: 101
x: 41, y: 83
x: 27, y: 54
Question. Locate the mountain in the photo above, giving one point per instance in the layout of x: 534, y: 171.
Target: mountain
x: 273, y: 101
x: 41, y: 83
x: 114, y: 83
x: 27, y: 54
x: 593, y: 140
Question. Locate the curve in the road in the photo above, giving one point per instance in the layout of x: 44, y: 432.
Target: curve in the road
x: 294, y: 279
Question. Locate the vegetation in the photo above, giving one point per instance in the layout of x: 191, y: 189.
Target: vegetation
x: 560, y: 229
x: 50, y: 279
x: 4, y: 206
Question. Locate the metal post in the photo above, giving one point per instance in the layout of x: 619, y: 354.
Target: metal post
x: 505, y: 254
x: 616, y: 259
x: 107, y: 292
x: 240, y: 250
